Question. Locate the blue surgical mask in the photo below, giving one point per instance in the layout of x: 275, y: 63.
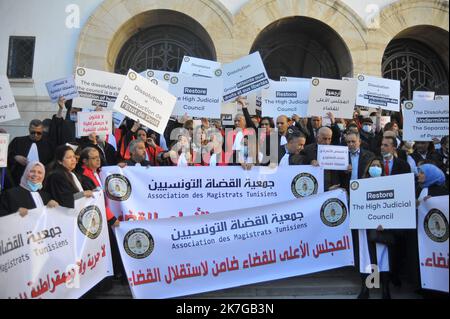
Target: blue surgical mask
x: 73, y: 117
x: 367, y: 128
x: 375, y: 171
x: 34, y: 187
x: 341, y: 126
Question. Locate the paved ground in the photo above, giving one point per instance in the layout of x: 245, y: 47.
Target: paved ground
x: 342, y: 283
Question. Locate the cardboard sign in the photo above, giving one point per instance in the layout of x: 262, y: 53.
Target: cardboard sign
x: 97, y: 88
x: 65, y: 88
x: 196, y: 96
x: 94, y: 122
x: 143, y: 101
x: 285, y: 98
x: 200, y: 68
x: 335, y: 96
x: 424, y: 120
x: 244, y: 76
x: 389, y: 201
x: 423, y: 95
x: 4, y: 142
x: 8, y: 106
x: 333, y: 157
x: 378, y: 92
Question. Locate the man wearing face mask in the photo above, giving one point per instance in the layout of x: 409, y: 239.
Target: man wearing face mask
x: 62, y: 130
x: 368, y: 135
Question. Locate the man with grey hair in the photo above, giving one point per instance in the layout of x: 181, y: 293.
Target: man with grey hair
x: 332, y: 179
x: 25, y: 149
x: 137, y: 154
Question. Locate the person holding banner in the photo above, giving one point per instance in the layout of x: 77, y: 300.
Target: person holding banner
x: 63, y: 184
x: 29, y: 195
x: 373, y: 245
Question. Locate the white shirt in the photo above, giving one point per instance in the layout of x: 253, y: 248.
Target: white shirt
x: 77, y: 182
x: 285, y: 160
x: 37, y: 199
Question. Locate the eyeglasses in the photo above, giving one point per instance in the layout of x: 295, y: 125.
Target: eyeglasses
x: 35, y: 133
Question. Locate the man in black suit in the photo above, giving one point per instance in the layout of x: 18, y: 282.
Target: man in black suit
x: 359, y: 158
x: 295, y: 144
x: 332, y: 180
x: 392, y: 165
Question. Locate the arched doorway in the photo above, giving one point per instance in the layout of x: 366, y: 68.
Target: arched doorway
x: 162, y: 45
x: 303, y: 47
x: 418, y: 59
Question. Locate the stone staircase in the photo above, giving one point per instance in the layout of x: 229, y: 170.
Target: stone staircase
x: 343, y: 283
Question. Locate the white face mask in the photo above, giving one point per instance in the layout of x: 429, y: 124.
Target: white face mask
x: 73, y: 117
x: 367, y: 128
x: 341, y: 126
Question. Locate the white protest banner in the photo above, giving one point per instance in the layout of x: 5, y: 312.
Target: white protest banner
x: 424, y: 120
x: 378, y: 92
x: 389, y: 201
x: 56, y: 253
x: 8, y: 106
x: 65, y: 88
x: 244, y: 76
x: 177, y: 257
x: 162, y: 192
x: 159, y: 75
x: 94, y: 122
x: 197, y: 67
x: 441, y: 97
x: 97, y: 88
x: 4, y: 142
x: 197, y: 96
x: 285, y: 98
x: 143, y: 101
x: 335, y: 96
x: 423, y: 95
x: 432, y: 233
x: 333, y: 157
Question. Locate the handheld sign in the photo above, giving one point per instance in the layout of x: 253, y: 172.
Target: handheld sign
x: 8, y: 106
x: 97, y: 88
x: 4, y: 141
x: 335, y: 96
x: 243, y: 76
x: 196, y: 96
x: 94, y: 122
x: 200, y: 68
x: 389, y: 201
x: 424, y: 120
x: 378, y: 92
x: 333, y: 157
x: 285, y: 98
x: 423, y: 95
x: 65, y: 88
x: 145, y: 102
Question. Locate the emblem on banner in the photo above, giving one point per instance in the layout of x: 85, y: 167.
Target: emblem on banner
x: 118, y: 187
x: 409, y: 105
x: 90, y: 221
x: 315, y: 82
x: 304, y: 184
x: 186, y: 59
x: 283, y: 79
x: 436, y: 226
x: 154, y: 81
x: 218, y: 72
x: 150, y: 74
x: 138, y: 243
x: 333, y: 212
x: 174, y: 80
x: 354, y: 185
x: 132, y: 76
x: 81, y: 72
x: 166, y: 76
x: 361, y: 77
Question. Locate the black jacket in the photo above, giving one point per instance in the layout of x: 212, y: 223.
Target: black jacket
x: 365, y: 157
x: 12, y: 199
x: 61, y: 188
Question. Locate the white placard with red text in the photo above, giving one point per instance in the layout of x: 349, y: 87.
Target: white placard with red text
x: 99, y: 123
x: 4, y: 142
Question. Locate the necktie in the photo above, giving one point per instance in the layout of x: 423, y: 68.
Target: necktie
x: 386, y: 167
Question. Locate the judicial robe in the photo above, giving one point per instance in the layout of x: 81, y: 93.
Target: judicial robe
x: 12, y: 199
x: 61, y: 189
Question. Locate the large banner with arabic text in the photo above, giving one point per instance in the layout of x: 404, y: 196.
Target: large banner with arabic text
x: 167, y: 258
x: 433, y: 243
x: 139, y: 193
x: 55, y: 253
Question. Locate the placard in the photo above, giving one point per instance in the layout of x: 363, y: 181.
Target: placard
x: 423, y: 95
x: 99, y: 123
x: 378, y: 92
x: 4, y: 142
x: 196, y: 96
x: 285, y: 98
x: 244, y: 76
x: 65, y: 88
x: 197, y: 67
x: 8, y: 106
x: 389, y: 201
x: 96, y: 88
x: 143, y: 101
x: 424, y: 120
x: 335, y: 96
x: 333, y: 157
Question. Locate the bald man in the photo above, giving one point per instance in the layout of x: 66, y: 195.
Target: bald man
x: 324, y: 137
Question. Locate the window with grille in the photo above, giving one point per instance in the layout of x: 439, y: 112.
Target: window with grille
x: 20, y: 57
